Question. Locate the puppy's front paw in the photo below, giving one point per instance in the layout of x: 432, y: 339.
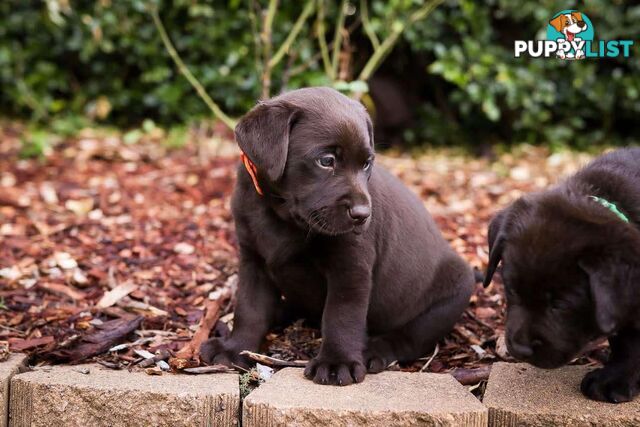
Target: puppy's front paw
x: 609, y: 385
x: 324, y: 371
x: 216, y: 351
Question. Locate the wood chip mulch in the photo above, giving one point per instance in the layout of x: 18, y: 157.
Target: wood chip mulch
x: 119, y: 253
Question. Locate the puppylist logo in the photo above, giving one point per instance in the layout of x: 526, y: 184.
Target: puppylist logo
x: 570, y: 36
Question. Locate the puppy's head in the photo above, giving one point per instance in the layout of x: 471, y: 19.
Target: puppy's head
x: 569, y: 22
x: 565, y: 260
x: 313, y: 150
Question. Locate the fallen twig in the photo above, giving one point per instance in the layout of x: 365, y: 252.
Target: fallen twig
x: 272, y: 361
x: 192, y: 348
x: 469, y: 335
x: 160, y: 355
x: 213, y: 369
x: 433, y: 356
x: 471, y: 376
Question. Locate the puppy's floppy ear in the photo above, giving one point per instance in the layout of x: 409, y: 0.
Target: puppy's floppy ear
x: 604, y: 275
x: 263, y: 135
x: 558, y: 22
x: 370, y: 131
x: 497, y: 238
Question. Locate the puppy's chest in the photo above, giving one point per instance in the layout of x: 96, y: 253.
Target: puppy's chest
x: 294, y: 273
x: 286, y: 261
x: 291, y: 264
x: 290, y: 256
x: 300, y: 282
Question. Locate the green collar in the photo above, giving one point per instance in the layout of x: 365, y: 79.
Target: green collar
x: 611, y: 206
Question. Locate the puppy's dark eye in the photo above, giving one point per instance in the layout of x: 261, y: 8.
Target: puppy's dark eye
x: 367, y: 165
x: 327, y: 162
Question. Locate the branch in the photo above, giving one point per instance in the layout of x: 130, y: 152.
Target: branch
x: 424, y: 11
x: 305, y: 65
x: 379, y: 54
x: 433, y: 356
x: 267, y: 43
x: 297, y: 27
x: 397, y: 29
x: 366, y: 24
x: 256, y: 34
x: 207, y: 322
x: 337, y: 39
x: 271, y: 14
x: 272, y: 361
x: 215, y: 109
x: 324, y: 50
x: 471, y: 376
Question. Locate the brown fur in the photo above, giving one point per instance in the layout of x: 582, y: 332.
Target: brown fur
x: 349, y: 246
x: 571, y: 270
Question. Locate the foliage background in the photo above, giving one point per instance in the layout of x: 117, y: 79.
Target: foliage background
x: 64, y: 61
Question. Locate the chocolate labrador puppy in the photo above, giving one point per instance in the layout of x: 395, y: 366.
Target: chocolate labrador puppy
x: 325, y: 234
x: 571, y: 270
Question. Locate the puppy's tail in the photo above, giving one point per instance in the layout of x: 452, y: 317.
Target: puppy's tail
x: 477, y: 274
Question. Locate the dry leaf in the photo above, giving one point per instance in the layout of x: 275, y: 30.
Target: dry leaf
x: 116, y: 294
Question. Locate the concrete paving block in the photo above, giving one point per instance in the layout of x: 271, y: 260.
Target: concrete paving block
x: 385, y: 399
x: 8, y: 369
x: 519, y: 394
x: 64, y: 396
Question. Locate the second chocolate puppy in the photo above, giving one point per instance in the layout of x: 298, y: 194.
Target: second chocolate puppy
x: 571, y: 270
x: 325, y: 234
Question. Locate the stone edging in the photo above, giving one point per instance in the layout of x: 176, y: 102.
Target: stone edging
x: 516, y: 395
x: 16, y: 363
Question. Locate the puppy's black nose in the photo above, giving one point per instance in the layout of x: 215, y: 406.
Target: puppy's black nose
x: 359, y: 213
x: 519, y: 350
x: 581, y: 24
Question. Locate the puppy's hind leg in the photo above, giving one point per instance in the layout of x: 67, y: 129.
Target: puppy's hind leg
x: 418, y: 337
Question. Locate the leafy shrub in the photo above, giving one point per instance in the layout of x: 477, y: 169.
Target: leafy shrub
x: 104, y: 60
x: 530, y: 99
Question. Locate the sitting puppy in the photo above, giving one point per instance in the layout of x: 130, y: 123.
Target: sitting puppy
x: 571, y: 270
x: 325, y: 234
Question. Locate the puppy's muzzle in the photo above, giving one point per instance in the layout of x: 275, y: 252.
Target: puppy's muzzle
x: 359, y: 213
x: 519, y: 348
x: 535, y: 351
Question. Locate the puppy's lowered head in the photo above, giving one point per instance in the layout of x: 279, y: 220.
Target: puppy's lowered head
x: 313, y: 152
x: 567, y: 264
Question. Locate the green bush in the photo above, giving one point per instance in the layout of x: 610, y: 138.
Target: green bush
x: 528, y: 99
x: 104, y: 60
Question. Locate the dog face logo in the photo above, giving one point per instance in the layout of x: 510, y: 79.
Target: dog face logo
x: 569, y: 24
x: 573, y: 28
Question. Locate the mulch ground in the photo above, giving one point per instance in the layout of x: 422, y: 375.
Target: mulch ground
x: 118, y: 253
